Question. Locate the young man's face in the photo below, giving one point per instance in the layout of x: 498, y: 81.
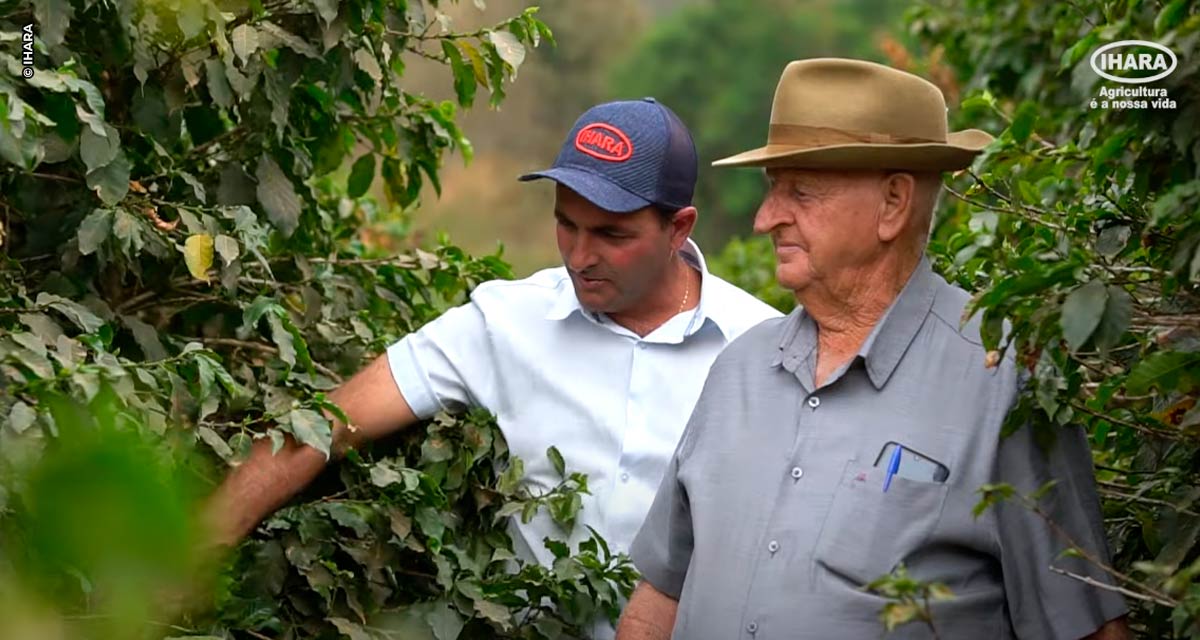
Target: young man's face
x: 616, y: 260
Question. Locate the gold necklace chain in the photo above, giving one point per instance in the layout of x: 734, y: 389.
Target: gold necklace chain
x: 686, y: 290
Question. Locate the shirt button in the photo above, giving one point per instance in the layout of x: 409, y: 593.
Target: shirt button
x: 773, y: 546
x: 752, y: 627
x: 797, y: 472
x: 624, y: 477
x: 641, y: 345
x: 814, y: 402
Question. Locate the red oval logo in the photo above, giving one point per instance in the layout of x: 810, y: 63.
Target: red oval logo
x: 605, y: 142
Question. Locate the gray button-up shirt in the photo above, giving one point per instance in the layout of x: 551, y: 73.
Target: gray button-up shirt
x: 772, y: 514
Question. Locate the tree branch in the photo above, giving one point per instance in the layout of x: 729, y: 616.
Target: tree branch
x: 261, y: 347
x: 1108, y: 587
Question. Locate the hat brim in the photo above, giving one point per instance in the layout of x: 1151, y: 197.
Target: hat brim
x: 958, y: 152
x: 595, y: 189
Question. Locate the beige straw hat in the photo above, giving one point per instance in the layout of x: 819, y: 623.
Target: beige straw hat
x: 833, y: 113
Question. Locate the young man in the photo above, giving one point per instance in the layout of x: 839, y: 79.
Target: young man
x: 602, y: 357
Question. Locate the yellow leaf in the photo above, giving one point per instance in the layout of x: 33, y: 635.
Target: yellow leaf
x: 198, y: 253
x: 992, y: 360
x: 895, y: 614
x: 939, y: 591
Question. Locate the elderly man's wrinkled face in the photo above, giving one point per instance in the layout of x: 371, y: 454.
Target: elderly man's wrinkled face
x: 822, y: 223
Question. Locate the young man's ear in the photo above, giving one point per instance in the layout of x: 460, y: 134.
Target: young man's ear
x: 682, y: 225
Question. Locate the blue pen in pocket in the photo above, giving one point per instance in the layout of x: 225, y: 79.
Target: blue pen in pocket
x: 893, y: 467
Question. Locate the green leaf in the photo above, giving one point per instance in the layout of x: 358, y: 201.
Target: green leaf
x: 992, y: 494
x: 94, y: 230
x: 310, y: 428
x: 327, y: 9
x: 495, y: 612
x: 384, y: 476
x: 75, y: 312
x: 245, y: 41
x: 53, y: 17
x: 278, y: 35
x: 198, y: 254
x: 147, y: 338
x: 111, y: 182
x: 401, y: 524
x: 509, y: 509
x: 227, y: 247
x: 277, y: 196
x: 367, y: 62
x: 21, y: 417
x: 1081, y: 313
x: 1165, y: 370
x: 430, y: 522
x: 436, y: 449
x: 1118, y: 311
x: 283, y: 339
x: 445, y: 622
x: 510, y: 49
x: 1112, y: 240
x: 42, y: 326
x: 1023, y: 120
x: 1171, y: 16
x: 255, y: 311
x: 1076, y: 52
x: 127, y: 231
x: 215, y: 441
x: 1177, y: 201
x: 556, y: 547
x: 1113, y: 147
x: 191, y: 18
x: 218, y: 83
x: 550, y: 628
x: 361, y: 175
x: 557, y: 460
x: 350, y: 629
x: 1041, y: 491
x: 350, y: 516
x: 465, y: 77
x: 97, y: 151
x: 511, y: 478
x: 197, y: 187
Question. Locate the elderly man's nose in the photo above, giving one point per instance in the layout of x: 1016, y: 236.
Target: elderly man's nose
x: 768, y: 216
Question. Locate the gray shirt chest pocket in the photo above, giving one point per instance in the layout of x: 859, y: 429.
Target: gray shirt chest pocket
x: 867, y: 532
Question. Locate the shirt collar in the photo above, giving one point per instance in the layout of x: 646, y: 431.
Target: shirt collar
x: 889, y: 339
x: 722, y: 316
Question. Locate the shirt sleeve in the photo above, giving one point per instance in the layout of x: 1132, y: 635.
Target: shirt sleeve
x: 662, y: 549
x: 1041, y: 602
x: 446, y: 365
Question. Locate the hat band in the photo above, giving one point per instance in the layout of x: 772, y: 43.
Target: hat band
x: 799, y: 135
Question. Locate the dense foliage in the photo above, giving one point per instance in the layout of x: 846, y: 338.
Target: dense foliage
x: 188, y: 265
x: 1080, y: 227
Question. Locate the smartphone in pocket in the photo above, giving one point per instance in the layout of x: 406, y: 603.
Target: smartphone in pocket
x: 914, y: 465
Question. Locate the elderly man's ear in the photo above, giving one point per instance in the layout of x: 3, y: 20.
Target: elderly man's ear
x: 898, y: 208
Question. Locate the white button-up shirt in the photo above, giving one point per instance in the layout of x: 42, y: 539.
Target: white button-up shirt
x: 613, y: 403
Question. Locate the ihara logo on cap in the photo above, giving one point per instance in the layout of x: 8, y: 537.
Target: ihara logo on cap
x: 605, y: 142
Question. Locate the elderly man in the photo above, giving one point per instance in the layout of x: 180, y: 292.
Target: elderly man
x: 832, y: 446
x: 602, y: 357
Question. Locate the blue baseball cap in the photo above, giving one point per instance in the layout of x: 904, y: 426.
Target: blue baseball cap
x: 627, y: 155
